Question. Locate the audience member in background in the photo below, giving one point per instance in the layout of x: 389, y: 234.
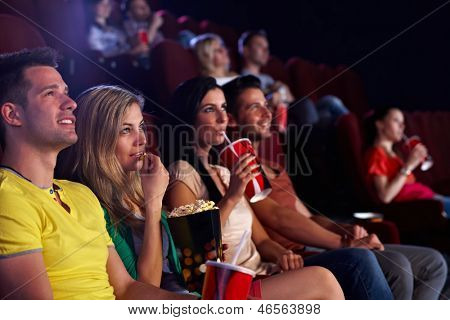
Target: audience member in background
x: 213, y: 57
x: 388, y: 175
x: 412, y: 272
x: 254, y: 49
x: 107, y: 39
x: 53, y: 239
x: 130, y: 187
x: 200, y: 105
x: 320, y: 147
x: 142, y: 27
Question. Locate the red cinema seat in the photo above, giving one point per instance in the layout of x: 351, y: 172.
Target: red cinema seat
x: 17, y: 34
x: 170, y: 26
x: 328, y: 81
x: 276, y: 69
x: 151, y: 131
x: 304, y: 78
x: 25, y: 9
x: 354, y: 95
x: 188, y: 23
x: 171, y: 65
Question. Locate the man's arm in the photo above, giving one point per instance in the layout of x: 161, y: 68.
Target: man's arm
x: 298, y: 228
x: 128, y: 289
x: 295, y: 226
x: 24, y: 277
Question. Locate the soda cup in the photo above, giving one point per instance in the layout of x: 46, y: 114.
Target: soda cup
x: 280, y: 117
x: 143, y: 36
x: 413, y: 141
x: 224, y: 281
x: 259, y: 187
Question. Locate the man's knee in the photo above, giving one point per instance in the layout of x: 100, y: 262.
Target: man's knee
x: 395, y: 265
x: 358, y: 256
x: 437, y: 264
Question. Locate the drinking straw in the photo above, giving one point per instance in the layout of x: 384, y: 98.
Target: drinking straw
x: 240, y: 246
x: 230, y: 144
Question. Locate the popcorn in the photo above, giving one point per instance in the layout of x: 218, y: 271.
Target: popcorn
x: 142, y: 156
x: 198, y: 206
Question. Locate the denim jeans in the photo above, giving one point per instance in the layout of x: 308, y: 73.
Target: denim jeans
x: 325, y: 113
x: 445, y: 202
x: 357, y: 271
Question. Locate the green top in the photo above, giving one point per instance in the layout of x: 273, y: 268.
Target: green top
x: 123, y: 241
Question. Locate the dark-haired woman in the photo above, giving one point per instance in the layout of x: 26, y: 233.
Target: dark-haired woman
x: 387, y: 174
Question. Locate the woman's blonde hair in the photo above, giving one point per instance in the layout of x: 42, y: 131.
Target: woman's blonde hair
x: 202, y: 47
x: 92, y: 160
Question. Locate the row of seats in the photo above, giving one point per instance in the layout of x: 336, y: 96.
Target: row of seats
x: 64, y: 27
x: 172, y: 64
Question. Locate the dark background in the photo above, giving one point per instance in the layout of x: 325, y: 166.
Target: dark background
x: 411, y: 72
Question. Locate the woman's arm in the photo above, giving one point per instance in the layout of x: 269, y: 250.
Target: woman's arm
x: 154, y: 179
x: 126, y: 288
x: 149, y: 265
x: 157, y: 22
x: 179, y: 194
x: 388, y: 190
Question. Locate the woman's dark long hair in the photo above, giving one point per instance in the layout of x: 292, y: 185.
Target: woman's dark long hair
x: 370, y: 127
x: 178, y: 127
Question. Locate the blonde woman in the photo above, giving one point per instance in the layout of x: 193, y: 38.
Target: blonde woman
x: 213, y: 57
x: 108, y: 158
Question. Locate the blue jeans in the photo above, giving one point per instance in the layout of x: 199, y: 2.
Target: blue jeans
x: 357, y: 271
x: 325, y: 113
x: 446, y: 202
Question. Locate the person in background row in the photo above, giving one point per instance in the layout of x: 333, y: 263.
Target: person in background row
x: 107, y: 39
x: 387, y: 174
x: 254, y: 50
x: 53, y: 239
x: 213, y: 57
x: 142, y: 28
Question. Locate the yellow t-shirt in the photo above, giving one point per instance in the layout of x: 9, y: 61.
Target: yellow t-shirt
x: 74, y: 245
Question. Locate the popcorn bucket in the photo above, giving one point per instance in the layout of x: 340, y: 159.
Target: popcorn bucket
x: 198, y: 238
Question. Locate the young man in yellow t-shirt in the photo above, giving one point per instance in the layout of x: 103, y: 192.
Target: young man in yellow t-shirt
x: 53, y: 240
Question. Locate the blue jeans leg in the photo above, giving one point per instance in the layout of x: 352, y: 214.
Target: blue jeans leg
x: 330, y: 108
x: 303, y: 112
x: 446, y: 202
x: 357, y: 271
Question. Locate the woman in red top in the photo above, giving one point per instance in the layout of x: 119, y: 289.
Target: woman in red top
x: 387, y: 174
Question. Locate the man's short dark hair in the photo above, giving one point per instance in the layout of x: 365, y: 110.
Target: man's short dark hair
x: 234, y: 88
x: 247, y: 36
x: 13, y: 85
